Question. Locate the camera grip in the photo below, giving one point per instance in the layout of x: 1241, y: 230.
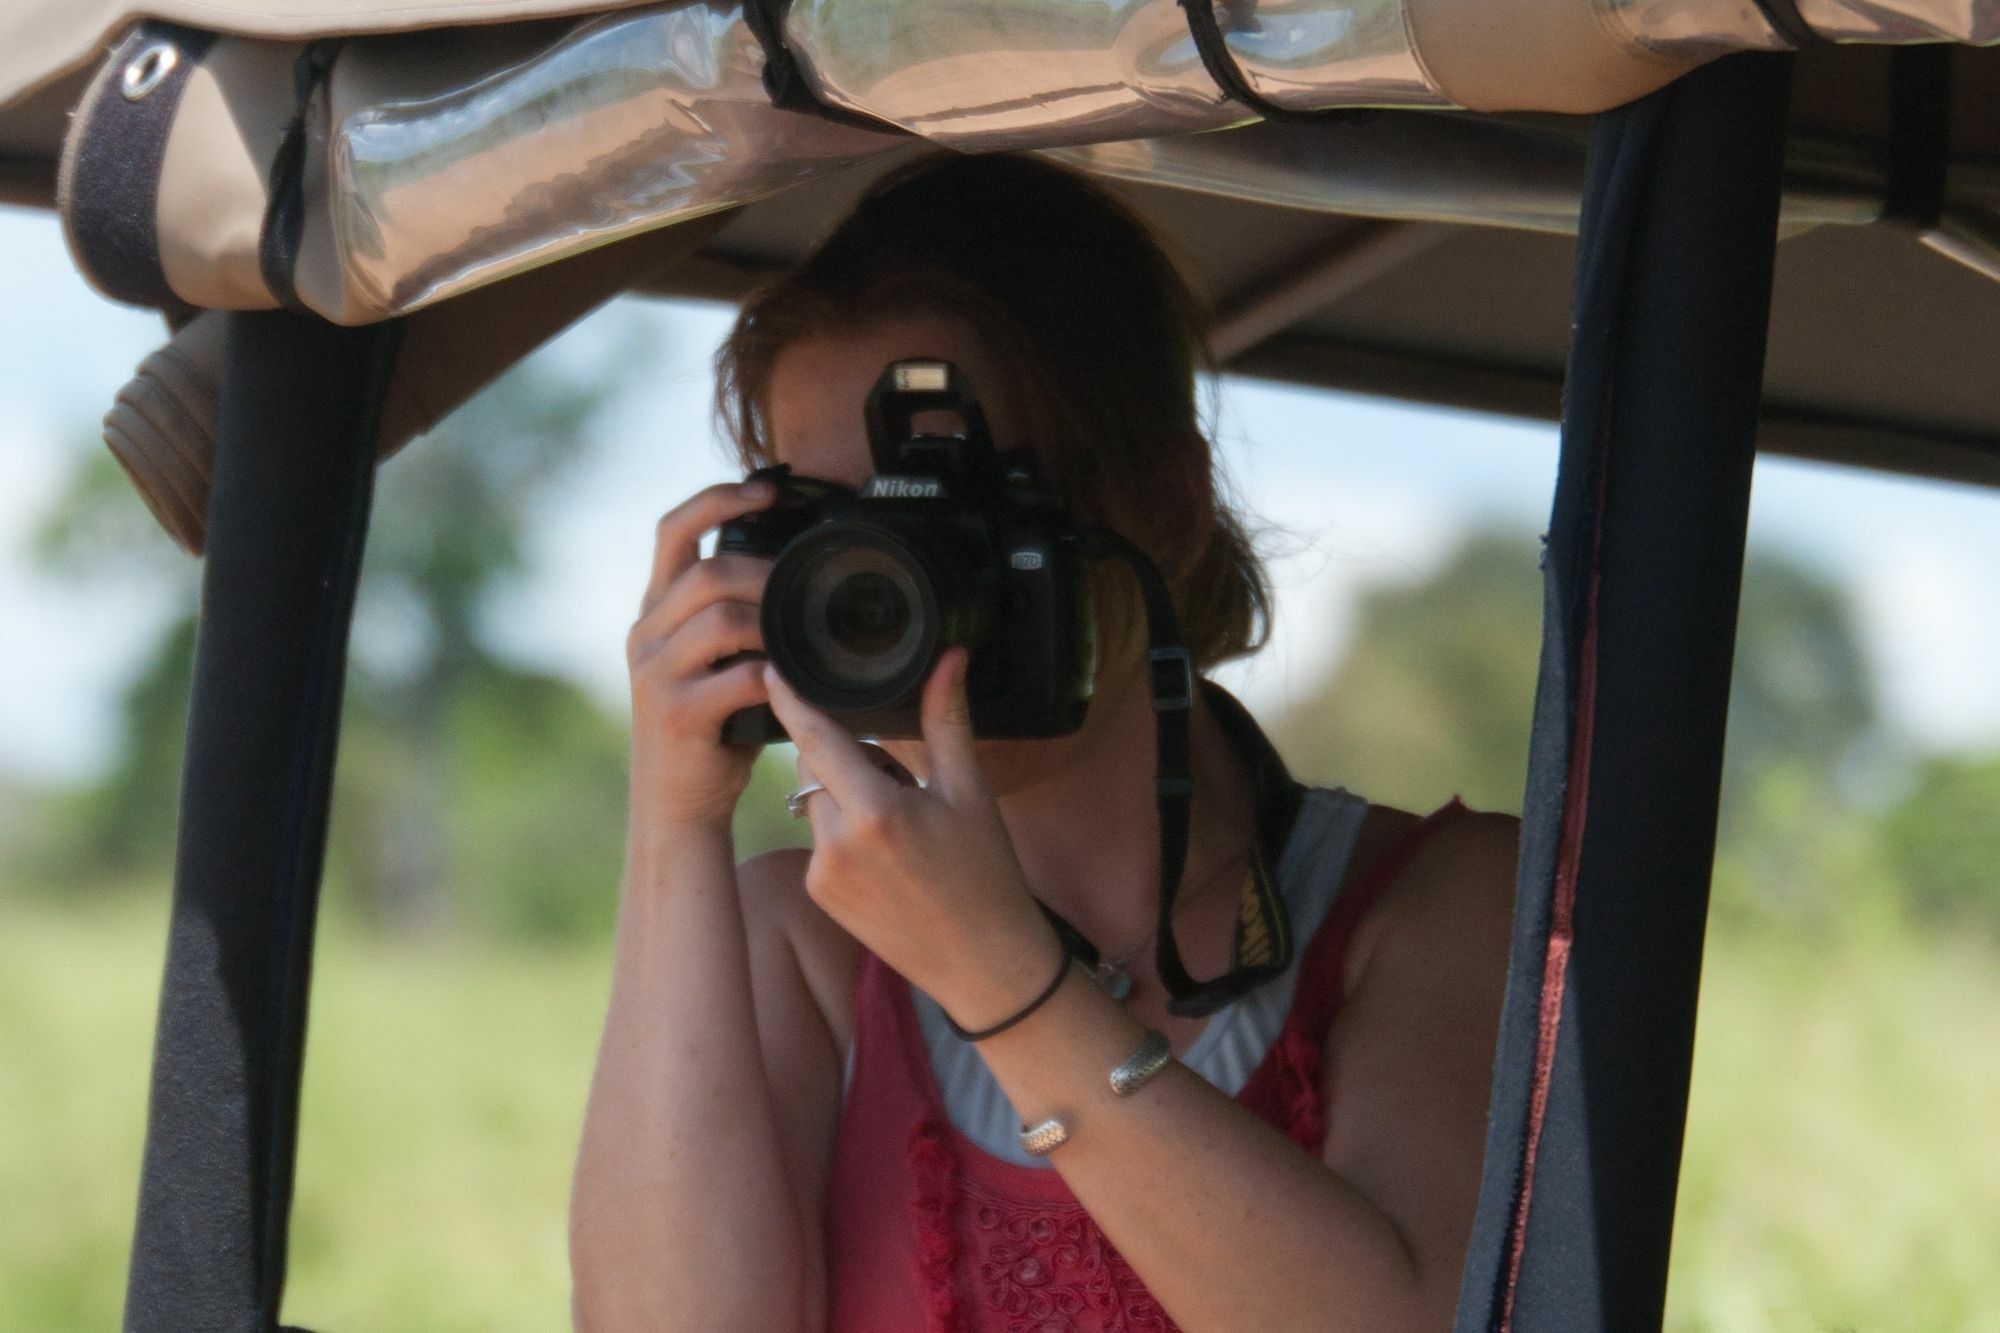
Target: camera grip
x: 754, y: 726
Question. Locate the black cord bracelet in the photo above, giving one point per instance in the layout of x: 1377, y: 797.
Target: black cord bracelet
x: 1055, y: 984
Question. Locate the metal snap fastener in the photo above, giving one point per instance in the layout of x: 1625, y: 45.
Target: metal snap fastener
x: 148, y: 70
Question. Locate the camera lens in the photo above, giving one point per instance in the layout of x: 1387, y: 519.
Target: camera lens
x: 867, y: 614
x: 863, y: 622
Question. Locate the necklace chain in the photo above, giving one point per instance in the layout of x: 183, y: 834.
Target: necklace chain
x: 1113, y: 974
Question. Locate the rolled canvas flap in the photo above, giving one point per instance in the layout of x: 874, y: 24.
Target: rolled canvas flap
x: 213, y: 190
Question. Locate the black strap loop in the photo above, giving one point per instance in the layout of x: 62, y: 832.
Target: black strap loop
x: 285, y: 211
x: 786, y: 82
x: 1171, y: 682
x: 1788, y: 23
x: 111, y: 183
x: 1919, y: 134
x: 1221, y: 66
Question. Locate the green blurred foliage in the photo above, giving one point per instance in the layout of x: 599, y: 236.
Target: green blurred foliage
x: 1436, y: 695
x: 1838, y: 1172
x: 1794, y: 854
x: 1435, y: 698
x: 1801, y: 695
x: 470, y: 792
x: 1944, y: 839
x: 1436, y: 692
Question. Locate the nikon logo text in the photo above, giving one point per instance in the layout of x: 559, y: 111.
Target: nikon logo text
x: 903, y: 488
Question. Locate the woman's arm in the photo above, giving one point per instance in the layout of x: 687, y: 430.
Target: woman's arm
x: 715, y: 1084
x: 1227, y: 1223
x: 683, y: 1213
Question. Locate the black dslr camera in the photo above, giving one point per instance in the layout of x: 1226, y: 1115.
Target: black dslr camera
x: 950, y: 542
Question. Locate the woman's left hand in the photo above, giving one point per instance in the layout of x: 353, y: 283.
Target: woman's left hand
x: 925, y: 877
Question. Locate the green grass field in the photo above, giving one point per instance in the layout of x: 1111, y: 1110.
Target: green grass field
x: 1843, y: 1166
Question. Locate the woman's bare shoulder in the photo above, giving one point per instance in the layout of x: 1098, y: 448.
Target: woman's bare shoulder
x: 778, y: 911
x: 1409, y: 1059
x: 1455, y: 892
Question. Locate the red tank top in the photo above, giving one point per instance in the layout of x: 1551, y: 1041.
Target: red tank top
x: 929, y: 1233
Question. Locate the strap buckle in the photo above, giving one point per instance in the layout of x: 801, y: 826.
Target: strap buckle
x: 1171, y: 675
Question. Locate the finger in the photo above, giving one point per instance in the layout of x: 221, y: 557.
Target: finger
x: 947, y: 725
x: 717, y: 632
x: 824, y: 817
x: 707, y: 702
x: 720, y: 578
x: 879, y: 756
x: 835, y: 757
x: 677, y: 538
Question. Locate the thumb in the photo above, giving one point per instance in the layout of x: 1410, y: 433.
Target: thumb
x: 947, y: 725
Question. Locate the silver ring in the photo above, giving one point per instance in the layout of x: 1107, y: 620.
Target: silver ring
x: 796, y: 802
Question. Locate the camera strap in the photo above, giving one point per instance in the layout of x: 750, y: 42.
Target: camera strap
x: 1262, y: 947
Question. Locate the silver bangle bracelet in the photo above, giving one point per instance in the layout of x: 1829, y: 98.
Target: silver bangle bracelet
x: 1154, y: 1054
x: 1133, y: 1073
x: 1039, y: 1140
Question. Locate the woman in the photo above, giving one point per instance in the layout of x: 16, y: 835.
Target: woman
x: 784, y: 1133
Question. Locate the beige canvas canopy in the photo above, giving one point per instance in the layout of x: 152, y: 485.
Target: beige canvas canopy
x: 1419, y: 255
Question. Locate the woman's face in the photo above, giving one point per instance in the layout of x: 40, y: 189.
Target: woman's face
x: 813, y: 408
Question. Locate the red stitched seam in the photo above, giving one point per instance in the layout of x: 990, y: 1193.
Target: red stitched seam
x: 1555, y: 962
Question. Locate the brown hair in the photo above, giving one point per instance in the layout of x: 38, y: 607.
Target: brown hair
x: 1097, y: 334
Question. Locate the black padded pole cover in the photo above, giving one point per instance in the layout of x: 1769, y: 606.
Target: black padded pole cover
x: 287, y: 517
x: 1642, y: 569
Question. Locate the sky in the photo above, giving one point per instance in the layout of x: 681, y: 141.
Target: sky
x: 1351, y: 492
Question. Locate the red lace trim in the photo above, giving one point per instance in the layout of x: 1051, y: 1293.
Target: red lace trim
x: 1045, y: 1267
x: 936, y: 1170
x: 1301, y: 1114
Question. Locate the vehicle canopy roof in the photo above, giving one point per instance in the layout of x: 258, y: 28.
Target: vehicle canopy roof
x: 1420, y: 250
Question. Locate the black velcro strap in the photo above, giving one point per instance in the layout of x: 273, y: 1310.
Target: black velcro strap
x: 1919, y: 134
x: 285, y: 209
x: 1221, y: 66
x: 113, y: 183
x: 1788, y: 23
x: 286, y: 531
x: 786, y: 82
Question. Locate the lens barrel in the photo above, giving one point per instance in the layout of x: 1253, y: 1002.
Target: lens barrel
x: 856, y: 613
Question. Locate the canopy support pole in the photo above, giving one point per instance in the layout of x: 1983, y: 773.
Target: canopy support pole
x: 1361, y: 255
x: 1642, y: 571
x: 287, y: 519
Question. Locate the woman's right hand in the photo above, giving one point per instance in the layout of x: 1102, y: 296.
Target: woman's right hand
x: 696, y: 614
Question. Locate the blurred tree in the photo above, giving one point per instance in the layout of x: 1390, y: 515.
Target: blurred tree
x: 467, y: 786
x: 97, y: 537
x: 1436, y: 695
x: 447, y: 537
x: 1944, y: 839
x: 1802, y: 692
